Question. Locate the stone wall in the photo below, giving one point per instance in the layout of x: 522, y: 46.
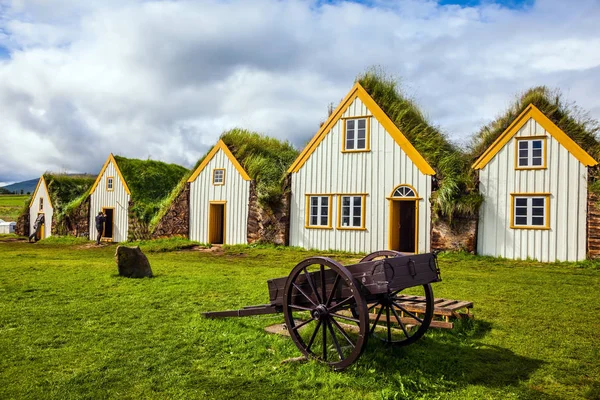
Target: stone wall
x: 266, y: 225
x: 137, y: 229
x: 593, y: 226
x: 461, y: 235
x: 176, y: 222
x: 77, y: 223
x: 22, y: 227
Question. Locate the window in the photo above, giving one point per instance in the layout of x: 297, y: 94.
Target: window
x: 218, y: 176
x: 351, y: 212
x: 531, y: 153
x: 110, y: 184
x: 531, y: 211
x: 41, y: 204
x: 356, y: 134
x: 404, y: 191
x: 318, y: 211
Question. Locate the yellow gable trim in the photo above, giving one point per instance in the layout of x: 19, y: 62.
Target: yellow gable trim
x: 358, y: 91
x: 220, y: 146
x: 110, y: 159
x: 42, y: 180
x: 532, y: 112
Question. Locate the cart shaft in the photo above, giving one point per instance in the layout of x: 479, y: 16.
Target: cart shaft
x: 245, y: 312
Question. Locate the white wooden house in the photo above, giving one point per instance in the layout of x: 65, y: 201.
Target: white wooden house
x: 219, y: 198
x: 111, y: 195
x: 534, y: 181
x: 41, y: 204
x: 360, y: 185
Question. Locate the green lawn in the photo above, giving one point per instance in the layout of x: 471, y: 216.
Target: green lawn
x: 11, y: 206
x: 71, y: 328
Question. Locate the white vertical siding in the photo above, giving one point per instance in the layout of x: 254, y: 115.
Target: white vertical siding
x: 565, y: 179
x: 117, y: 199
x: 34, y: 210
x: 235, y: 191
x: 375, y: 173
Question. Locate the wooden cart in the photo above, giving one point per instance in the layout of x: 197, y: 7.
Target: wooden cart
x: 327, y: 306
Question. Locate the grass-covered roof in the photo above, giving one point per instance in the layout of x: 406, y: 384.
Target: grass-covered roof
x: 456, y: 194
x: 66, y: 191
x: 149, y: 182
x: 265, y: 159
x: 64, y: 188
x: 569, y: 118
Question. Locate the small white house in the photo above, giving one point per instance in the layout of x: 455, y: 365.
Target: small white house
x: 534, y: 180
x: 41, y: 205
x: 7, y: 227
x: 219, y: 198
x: 111, y: 195
x: 360, y: 185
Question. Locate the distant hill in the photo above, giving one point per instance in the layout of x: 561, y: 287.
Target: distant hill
x: 26, y: 186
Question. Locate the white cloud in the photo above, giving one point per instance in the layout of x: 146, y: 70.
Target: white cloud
x: 163, y: 79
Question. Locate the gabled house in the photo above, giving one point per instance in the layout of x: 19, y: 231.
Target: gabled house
x: 360, y: 185
x: 41, y: 205
x: 54, y: 198
x: 534, y: 182
x: 129, y: 192
x: 219, y: 199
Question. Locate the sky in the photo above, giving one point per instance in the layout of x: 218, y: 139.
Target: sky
x: 163, y: 79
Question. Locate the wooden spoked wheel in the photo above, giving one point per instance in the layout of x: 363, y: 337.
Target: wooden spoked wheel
x: 381, y: 254
x: 402, y: 318
x: 395, y: 322
x: 318, y: 295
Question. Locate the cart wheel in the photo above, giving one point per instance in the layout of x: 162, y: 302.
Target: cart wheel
x: 382, y: 254
x: 378, y: 255
x: 318, y: 295
x: 399, y: 324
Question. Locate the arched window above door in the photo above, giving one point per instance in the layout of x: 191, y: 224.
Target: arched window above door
x: 404, y: 191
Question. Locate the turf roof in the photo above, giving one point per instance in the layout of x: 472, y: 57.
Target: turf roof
x: 265, y: 159
x: 457, y: 193
x: 64, y: 188
x: 577, y: 124
x: 149, y: 182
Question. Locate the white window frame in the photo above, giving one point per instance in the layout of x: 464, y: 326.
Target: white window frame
x: 529, y: 211
x: 322, y: 211
x: 110, y: 184
x: 353, y: 213
x: 355, y: 138
x: 528, y: 147
x: 41, y: 208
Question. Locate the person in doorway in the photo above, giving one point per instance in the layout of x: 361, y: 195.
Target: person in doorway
x: 37, y: 225
x: 100, y: 220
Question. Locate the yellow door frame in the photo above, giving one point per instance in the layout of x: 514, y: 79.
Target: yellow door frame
x: 112, y: 238
x: 43, y: 227
x: 210, y: 220
x: 391, y: 200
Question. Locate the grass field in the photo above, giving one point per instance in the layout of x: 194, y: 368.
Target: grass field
x: 11, y: 206
x: 71, y: 328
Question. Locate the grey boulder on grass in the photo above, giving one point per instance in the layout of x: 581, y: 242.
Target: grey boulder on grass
x: 132, y: 263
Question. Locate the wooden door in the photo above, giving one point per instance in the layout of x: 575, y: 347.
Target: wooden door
x: 216, y: 223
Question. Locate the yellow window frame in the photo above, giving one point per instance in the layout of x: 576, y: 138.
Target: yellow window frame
x: 307, y: 224
x: 363, y: 212
x: 544, y: 139
x: 213, y: 177
x: 367, y: 148
x: 534, y: 227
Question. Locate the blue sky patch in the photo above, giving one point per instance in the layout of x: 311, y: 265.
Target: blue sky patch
x: 513, y: 4
x: 4, y: 53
